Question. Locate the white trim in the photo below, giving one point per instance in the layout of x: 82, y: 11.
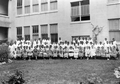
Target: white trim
x: 81, y: 22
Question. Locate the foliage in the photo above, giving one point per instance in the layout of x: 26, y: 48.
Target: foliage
x: 4, y: 53
x: 16, y: 78
x: 94, y: 79
x: 96, y: 31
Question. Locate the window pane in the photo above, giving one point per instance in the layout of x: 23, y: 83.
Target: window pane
x: 52, y: 0
x: 44, y: 36
x: 115, y: 35
x: 35, y: 29
x: 36, y: 8
x: 75, y: 13
x: 53, y: 28
x: 27, y: 30
x: 53, y: 5
x: 27, y: 9
x: 27, y: 37
x: 85, y: 10
x: 75, y: 18
x: 19, y: 30
x: 19, y: 10
x: 113, y: 1
x: 27, y: 2
x: 35, y: 37
x: 35, y: 1
x: 44, y: 6
x: 19, y: 2
x: 44, y: 29
x: 44, y: 1
x: 85, y: 2
x: 114, y: 24
x: 54, y: 38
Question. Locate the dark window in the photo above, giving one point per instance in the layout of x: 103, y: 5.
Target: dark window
x: 19, y: 32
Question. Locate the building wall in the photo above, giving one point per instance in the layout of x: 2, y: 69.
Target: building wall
x: 100, y: 12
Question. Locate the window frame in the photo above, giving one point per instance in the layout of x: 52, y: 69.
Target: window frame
x: 80, y: 12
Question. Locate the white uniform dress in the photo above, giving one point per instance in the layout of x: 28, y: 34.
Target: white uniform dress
x: 76, y: 52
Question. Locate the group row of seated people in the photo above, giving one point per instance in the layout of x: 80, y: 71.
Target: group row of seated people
x: 78, y: 48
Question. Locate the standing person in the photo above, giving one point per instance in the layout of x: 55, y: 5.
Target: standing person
x: 11, y: 50
x: 18, y: 53
x: 30, y: 53
x: 15, y: 53
x: 35, y: 53
x: 105, y: 41
x: 90, y: 40
x: 107, y: 48
x: 92, y: 51
x: 71, y: 52
x: 114, y: 42
x: 25, y: 53
x: 76, y: 52
x: 60, y: 40
x: 35, y: 43
x: 61, y: 52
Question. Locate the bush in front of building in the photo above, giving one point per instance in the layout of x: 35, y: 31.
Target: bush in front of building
x: 4, y: 51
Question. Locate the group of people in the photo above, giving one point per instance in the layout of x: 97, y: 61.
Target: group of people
x: 81, y: 48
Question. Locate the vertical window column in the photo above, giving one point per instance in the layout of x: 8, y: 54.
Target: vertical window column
x: 35, y: 32
x: 53, y: 4
x: 19, y: 7
x: 85, y: 13
x: 44, y: 5
x: 114, y: 29
x: 35, y: 5
x: 75, y: 11
x: 54, y: 32
x: 19, y: 32
x: 27, y: 32
x: 27, y: 6
x: 44, y: 31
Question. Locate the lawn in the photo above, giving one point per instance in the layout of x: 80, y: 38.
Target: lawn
x: 62, y: 71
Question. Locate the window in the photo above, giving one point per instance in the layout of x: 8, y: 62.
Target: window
x: 27, y: 32
x: 44, y: 5
x: 113, y: 1
x: 27, y: 6
x: 19, y: 32
x: 85, y: 15
x: 53, y: 4
x: 44, y: 31
x: 78, y: 37
x: 35, y: 32
x: 114, y: 26
x: 35, y: 5
x: 19, y: 7
x: 80, y: 11
x: 54, y: 32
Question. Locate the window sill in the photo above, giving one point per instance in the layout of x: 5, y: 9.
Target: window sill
x: 38, y: 13
x: 114, y: 3
x: 80, y: 22
x: 4, y: 16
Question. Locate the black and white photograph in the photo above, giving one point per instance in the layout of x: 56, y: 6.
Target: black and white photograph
x: 59, y: 41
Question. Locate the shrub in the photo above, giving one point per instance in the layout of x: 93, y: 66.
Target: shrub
x: 16, y: 78
x: 4, y: 51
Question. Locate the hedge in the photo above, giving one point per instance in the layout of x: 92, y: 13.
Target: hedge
x: 4, y: 52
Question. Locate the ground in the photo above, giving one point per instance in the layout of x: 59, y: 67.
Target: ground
x: 62, y: 71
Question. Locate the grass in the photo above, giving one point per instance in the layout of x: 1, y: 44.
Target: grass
x: 62, y: 71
